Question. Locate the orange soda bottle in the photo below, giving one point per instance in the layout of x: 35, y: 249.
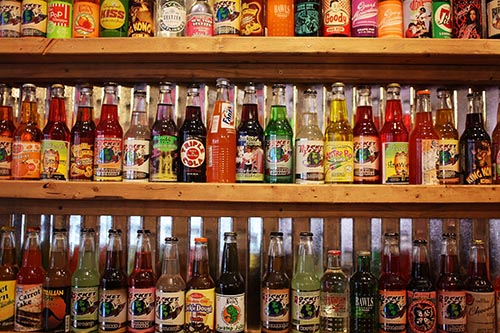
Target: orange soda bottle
x: 280, y: 18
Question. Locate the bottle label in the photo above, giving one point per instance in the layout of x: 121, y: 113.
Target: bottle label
x: 60, y: 16
x: 200, y: 305
x: 493, y: 17
x: 26, y: 160
x: 85, y: 19
x: 193, y: 153
x: 113, y: 310
x: 417, y: 18
x: 84, y: 309
x: 280, y: 18
x: 113, y: 14
x: 465, y: 24
x: 226, y: 119
x: 200, y: 24
x: 227, y: 17
x: 333, y: 305
x: 10, y: 24
x: 275, y: 310
x: 279, y: 156
x: 34, y: 18
x: 422, y: 311
x: 429, y: 157
x: 5, y: 156
x: 448, y: 168
x: 56, y: 308
x: 28, y: 315
x: 366, y: 158
x: 307, y: 18
x: 364, y: 18
x: 7, y: 303
x: 136, y: 159
x: 339, y: 162
x: 141, y: 21
x: 82, y: 160
x: 141, y: 310
x: 478, y: 162
x: 309, y: 161
x: 441, y: 19
x: 305, y: 310
x: 251, y: 13
x: 395, y: 163
x: 229, y: 313
x: 55, y: 159
x: 392, y: 311
x: 336, y: 18
x: 172, y: 18
x: 497, y: 302
x: 250, y: 158
x: 169, y: 314
x: 108, y: 158
x: 164, y: 159
x: 390, y: 18
x: 480, y: 311
x: 451, y: 311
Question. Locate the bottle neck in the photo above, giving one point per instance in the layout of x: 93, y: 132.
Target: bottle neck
x: 114, y: 253
x: 420, y: 263
x: 333, y: 262
x: 222, y: 93
x: 84, y: 114
x: 449, y: 258
x: 338, y: 110
x: 171, y: 260
x: 57, y: 110
x: 364, y: 264
x: 164, y: 112
x: 87, y: 254
x: 364, y: 113
x: 139, y: 118
x: 393, y: 111
x: 200, y: 262
x: 29, y: 112
x: 59, y: 258
x: 477, y: 263
x: 230, y: 258
x: 6, y: 113
x: 390, y: 262
x: 7, y: 250
x: 276, y: 256
x: 32, y: 256
x: 305, y: 261
x: 143, y: 257
x: 424, y: 111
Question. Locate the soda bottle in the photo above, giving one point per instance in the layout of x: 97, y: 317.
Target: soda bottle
x: 280, y: 20
x: 8, y: 275
x: 339, y: 161
x: 29, y: 300
x: 417, y: 18
x: 200, y: 20
x: 170, y: 291
x: 221, y: 138
x: 394, y: 139
x: 366, y: 141
x: 275, y: 301
x: 250, y: 140
x: 307, y: 17
x: 363, y: 288
x: 170, y: 18
x: 142, y: 287
x: 448, y: 168
x: 7, y: 129
x: 82, y: 138
x: 136, y: 141
x: 475, y: 145
x: 200, y: 291
x: 60, y: 18
x: 57, y: 286
x: 163, y: 166
x: 364, y: 20
x: 305, y: 288
x: 85, y: 286
x: 141, y: 22
x: 451, y: 311
x: 495, y: 140
x: 192, y: 141
x: 34, y: 15
x: 421, y: 292
x: 113, y: 19
x: 334, y: 296
x: 336, y: 18
x: 227, y: 17
x: 441, y: 19
x: 86, y: 14
x: 278, y: 138
x: 467, y: 19
x: 496, y: 286
x: 56, y: 138
x: 390, y: 19
x: 252, y: 18
x: 10, y: 26
x: 309, y: 140
x: 230, y: 290
x: 113, y: 287
x: 108, y: 144
x: 423, y: 145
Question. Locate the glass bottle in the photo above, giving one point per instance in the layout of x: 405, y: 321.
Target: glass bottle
x: 8, y: 275
x: 475, y: 145
x: 339, y: 161
x: 441, y: 19
x: 164, y: 150
x: 309, y: 142
x: 227, y: 17
x: 170, y: 18
x: 278, y: 138
x: 451, y: 304
x: 280, y: 18
x: 56, y: 138
x: 363, y: 289
x: 394, y: 139
x: 366, y: 141
x: 11, y: 25
x: 142, y: 287
x: 26, y: 147
x: 60, y: 15
x: 108, y: 144
x: 200, y: 21
x: 141, y: 21
x: 170, y: 291
x: 252, y: 18
x: 421, y: 292
x: 114, y: 17
x: 192, y: 141
x: 250, y: 140
x: 307, y: 17
x: 29, y: 301
x: 495, y: 142
x: 82, y: 138
x: 448, y: 167
x: 230, y: 290
x: 137, y: 140
x: 423, y: 143
x: 113, y: 287
x: 7, y: 129
x: 85, y: 286
x: 334, y: 296
x: 85, y: 18
x: 390, y: 19
x: 57, y: 286
x: 275, y: 300
x: 305, y: 288
x: 34, y: 18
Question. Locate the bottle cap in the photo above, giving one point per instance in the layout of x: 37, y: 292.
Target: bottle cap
x: 423, y: 92
x: 364, y: 254
x: 450, y: 235
x: 419, y: 241
x: 391, y: 234
x: 114, y: 231
x: 310, y: 91
x: 28, y: 86
x: 230, y: 234
x: 33, y: 229
x: 87, y: 230
x: 171, y: 239
x: 201, y: 240
x: 334, y: 252
x: 306, y: 234
x: 250, y: 88
x: 222, y: 82
x: 276, y: 234
x: 279, y: 86
x: 393, y: 85
x: 60, y: 230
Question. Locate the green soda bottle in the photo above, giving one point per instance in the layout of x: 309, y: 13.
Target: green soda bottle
x: 114, y: 18
x: 441, y: 19
x: 59, y: 24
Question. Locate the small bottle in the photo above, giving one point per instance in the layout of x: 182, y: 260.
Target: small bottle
x: 227, y: 17
x: 11, y: 27
x: 200, y: 21
x: 7, y: 130
x: 34, y: 18
x: 252, y: 18
x: 280, y: 18
x: 86, y: 18
x: 467, y: 19
x: 364, y: 20
x: 390, y: 19
x: 307, y: 17
x: 8, y: 275
x: 141, y: 22
x: 441, y: 19
x: 495, y: 142
x: 60, y: 18
x: 417, y: 19
x: 336, y: 18
x: 170, y: 18
x: 114, y: 18
x: 363, y: 288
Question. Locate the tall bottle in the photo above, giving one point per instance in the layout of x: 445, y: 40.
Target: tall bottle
x: 280, y: 18
x: 170, y: 291
x: 137, y: 140
x: 451, y: 305
x: 441, y: 19
x: 421, y: 292
x: 141, y: 21
x: 390, y: 19
x: 85, y: 286
x: 200, y: 291
x: 170, y: 18
x: 475, y: 145
x: 114, y: 18
x: 305, y: 289
x: 8, y: 275
x: 278, y: 137
x: 29, y: 299
x: 448, y: 167
x: 11, y: 26
x: 26, y: 147
x: 394, y: 139
x: 85, y: 19
x: 334, y: 296
x: 307, y: 17
x: 34, y: 18
x: 192, y: 141
x: 309, y: 156
x: 227, y: 17
x: 200, y: 21
x: 163, y: 165
x: 108, y: 145
x: 275, y: 300
x: 252, y: 18
x: 230, y: 290
x: 113, y: 287
x: 339, y: 159
x: 142, y: 287
x: 60, y: 16
x: 250, y: 140
x: 7, y: 130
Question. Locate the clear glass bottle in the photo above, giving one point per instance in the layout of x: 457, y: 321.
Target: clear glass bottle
x: 170, y: 18
x: 200, y: 21
x: 7, y: 129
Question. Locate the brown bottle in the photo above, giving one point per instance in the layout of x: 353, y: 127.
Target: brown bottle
x: 8, y: 274
x: 7, y: 129
x: 495, y: 143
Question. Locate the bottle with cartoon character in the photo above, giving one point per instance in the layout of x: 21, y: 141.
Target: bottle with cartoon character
x: 307, y: 17
x: 7, y: 129
x: 141, y: 22
x: 417, y: 18
x: 10, y: 26
x: 34, y: 18
x: 227, y: 17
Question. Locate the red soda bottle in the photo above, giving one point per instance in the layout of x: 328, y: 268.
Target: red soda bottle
x: 8, y: 275
x: 7, y: 129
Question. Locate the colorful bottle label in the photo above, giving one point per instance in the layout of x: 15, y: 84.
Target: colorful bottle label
x: 339, y: 162
x: 81, y: 161
x: 113, y: 14
x: 28, y: 315
x: 200, y: 24
x: 307, y: 18
x: 364, y: 18
x: 5, y: 157
x: 141, y: 309
x: 169, y: 313
x: 34, y: 18
x: 229, y: 313
x: 392, y: 311
x: 163, y: 165
x: 478, y: 168
x: 395, y: 166
x: 390, y: 18
x: 417, y: 18
x: 336, y: 18
x: 26, y: 160
x: 305, y: 310
x: 467, y: 19
x: 280, y: 18
x: 141, y: 20
x: 84, y: 309
x: 172, y: 18
x: 422, y: 312
x: 56, y: 309
x: 200, y: 307
x: 136, y: 159
x: 448, y: 167
x: 480, y: 311
x: 85, y: 19
x: 366, y: 158
x: 250, y: 158
x: 365, y: 306
x: 7, y: 303
x: 429, y: 158
x: 113, y: 310
x: 309, y: 161
x: 227, y: 17
x: 441, y: 19
x: 451, y: 311
x: 193, y: 153
x: 226, y: 120
x: 251, y: 18
x: 108, y: 159
x: 55, y: 164
x: 275, y: 310
x: 10, y: 22
x: 334, y: 305
x: 60, y: 17
x: 279, y: 160
x: 493, y: 17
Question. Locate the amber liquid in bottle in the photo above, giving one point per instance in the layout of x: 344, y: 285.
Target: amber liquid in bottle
x: 8, y: 275
x: 7, y: 129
